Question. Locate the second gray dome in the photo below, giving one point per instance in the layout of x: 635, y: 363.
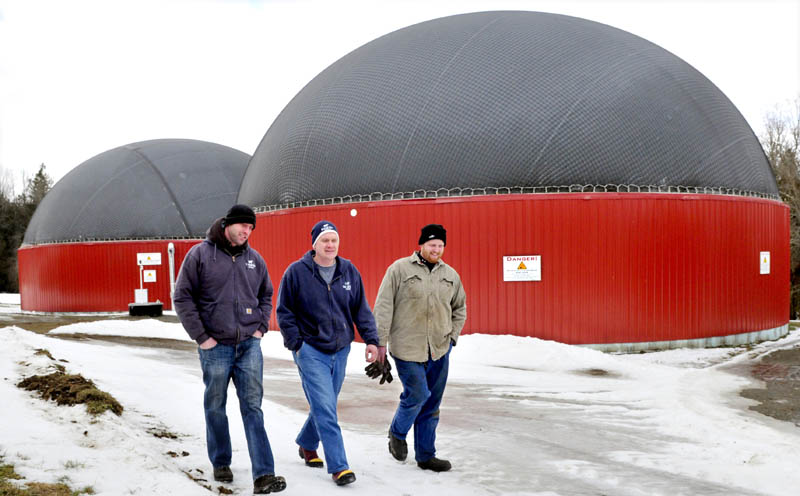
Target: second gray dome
x: 168, y: 188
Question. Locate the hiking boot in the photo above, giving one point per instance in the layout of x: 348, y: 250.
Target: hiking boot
x: 435, y: 464
x: 344, y: 477
x: 397, y: 447
x: 223, y: 474
x: 269, y: 484
x: 310, y: 456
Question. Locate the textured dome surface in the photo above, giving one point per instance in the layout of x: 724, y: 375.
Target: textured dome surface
x: 151, y: 189
x: 499, y: 99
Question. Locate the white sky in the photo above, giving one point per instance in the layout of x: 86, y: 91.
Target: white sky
x: 80, y: 77
x: 519, y: 417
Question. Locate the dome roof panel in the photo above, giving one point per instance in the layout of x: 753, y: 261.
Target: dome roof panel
x: 157, y: 188
x: 497, y: 99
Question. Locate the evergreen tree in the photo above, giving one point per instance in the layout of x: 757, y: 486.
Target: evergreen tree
x: 14, y: 218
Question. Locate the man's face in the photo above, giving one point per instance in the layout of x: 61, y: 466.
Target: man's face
x: 432, y: 250
x: 238, y: 233
x: 327, y: 245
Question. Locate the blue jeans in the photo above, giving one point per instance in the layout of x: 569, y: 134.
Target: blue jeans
x: 423, y: 387
x: 245, y: 364
x: 322, y: 375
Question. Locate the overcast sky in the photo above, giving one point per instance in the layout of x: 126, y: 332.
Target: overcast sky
x: 80, y: 77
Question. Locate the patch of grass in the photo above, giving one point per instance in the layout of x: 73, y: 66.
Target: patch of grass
x: 73, y: 464
x: 66, y: 389
x: 7, y: 472
x: 40, y: 351
x: 162, y: 433
x: 7, y: 488
x: 198, y: 480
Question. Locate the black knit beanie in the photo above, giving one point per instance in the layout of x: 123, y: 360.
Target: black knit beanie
x: 433, y: 231
x: 240, y: 214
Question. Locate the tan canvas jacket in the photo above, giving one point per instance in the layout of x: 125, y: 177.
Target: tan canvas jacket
x: 419, y: 310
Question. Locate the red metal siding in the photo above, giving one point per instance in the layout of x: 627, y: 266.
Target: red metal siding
x: 616, y: 268
x: 92, y: 277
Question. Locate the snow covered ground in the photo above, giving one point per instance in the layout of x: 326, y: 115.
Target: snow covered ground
x: 520, y: 416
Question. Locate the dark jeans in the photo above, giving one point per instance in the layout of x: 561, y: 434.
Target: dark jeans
x: 423, y: 387
x: 245, y: 364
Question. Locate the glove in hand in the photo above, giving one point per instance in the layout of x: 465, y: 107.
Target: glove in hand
x: 380, y: 369
x: 374, y: 370
x: 387, y: 372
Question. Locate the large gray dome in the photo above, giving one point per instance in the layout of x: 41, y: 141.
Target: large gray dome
x: 168, y: 188
x: 498, y: 99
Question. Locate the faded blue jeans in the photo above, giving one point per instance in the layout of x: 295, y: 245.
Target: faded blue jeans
x: 322, y: 375
x: 244, y: 363
x: 423, y: 388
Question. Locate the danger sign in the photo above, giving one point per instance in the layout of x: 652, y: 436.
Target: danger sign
x: 522, y: 268
x: 148, y: 258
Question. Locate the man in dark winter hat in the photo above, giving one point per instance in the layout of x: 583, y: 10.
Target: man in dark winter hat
x: 320, y: 299
x: 223, y: 298
x: 420, y: 311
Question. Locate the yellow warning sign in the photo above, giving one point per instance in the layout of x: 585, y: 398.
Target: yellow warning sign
x: 764, y: 259
x: 148, y: 258
x: 521, y: 266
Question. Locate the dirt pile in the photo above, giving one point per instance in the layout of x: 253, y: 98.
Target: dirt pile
x: 66, y: 389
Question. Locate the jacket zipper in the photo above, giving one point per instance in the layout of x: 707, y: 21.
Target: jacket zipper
x: 236, y: 300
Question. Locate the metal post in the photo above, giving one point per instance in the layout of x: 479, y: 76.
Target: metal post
x: 171, y: 256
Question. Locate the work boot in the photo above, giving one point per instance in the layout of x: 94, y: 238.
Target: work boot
x: 435, y: 464
x: 223, y: 474
x: 269, y: 484
x: 397, y: 447
x: 344, y: 477
x: 311, y: 457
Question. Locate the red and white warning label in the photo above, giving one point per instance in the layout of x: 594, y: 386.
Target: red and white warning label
x: 522, y: 268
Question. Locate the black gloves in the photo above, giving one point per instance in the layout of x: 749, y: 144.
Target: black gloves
x: 374, y: 369
x: 380, y: 369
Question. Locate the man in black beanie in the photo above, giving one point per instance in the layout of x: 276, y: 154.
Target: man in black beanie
x: 420, y: 311
x: 223, y: 298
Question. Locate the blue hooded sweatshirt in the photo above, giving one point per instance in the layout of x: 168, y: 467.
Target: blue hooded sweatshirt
x: 312, y: 311
x: 223, y: 292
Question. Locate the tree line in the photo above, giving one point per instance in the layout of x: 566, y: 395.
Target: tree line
x: 781, y: 143
x: 15, y: 214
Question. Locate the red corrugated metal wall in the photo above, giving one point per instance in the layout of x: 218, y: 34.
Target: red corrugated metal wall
x: 616, y: 268
x: 92, y: 277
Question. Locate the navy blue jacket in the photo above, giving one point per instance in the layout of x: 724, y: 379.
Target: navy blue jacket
x: 222, y: 292
x: 309, y: 310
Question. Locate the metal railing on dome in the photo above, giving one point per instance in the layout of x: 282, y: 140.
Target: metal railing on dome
x: 92, y: 239
x: 509, y: 190
x: 459, y: 192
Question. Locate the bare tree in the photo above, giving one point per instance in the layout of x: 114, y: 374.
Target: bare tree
x: 781, y: 142
x: 6, y: 184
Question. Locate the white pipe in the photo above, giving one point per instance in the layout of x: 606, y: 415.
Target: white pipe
x: 171, y: 256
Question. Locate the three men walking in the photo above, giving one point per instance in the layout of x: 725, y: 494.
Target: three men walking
x: 223, y: 298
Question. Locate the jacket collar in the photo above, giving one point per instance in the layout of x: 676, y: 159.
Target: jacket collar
x: 308, y: 261
x: 414, y: 258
